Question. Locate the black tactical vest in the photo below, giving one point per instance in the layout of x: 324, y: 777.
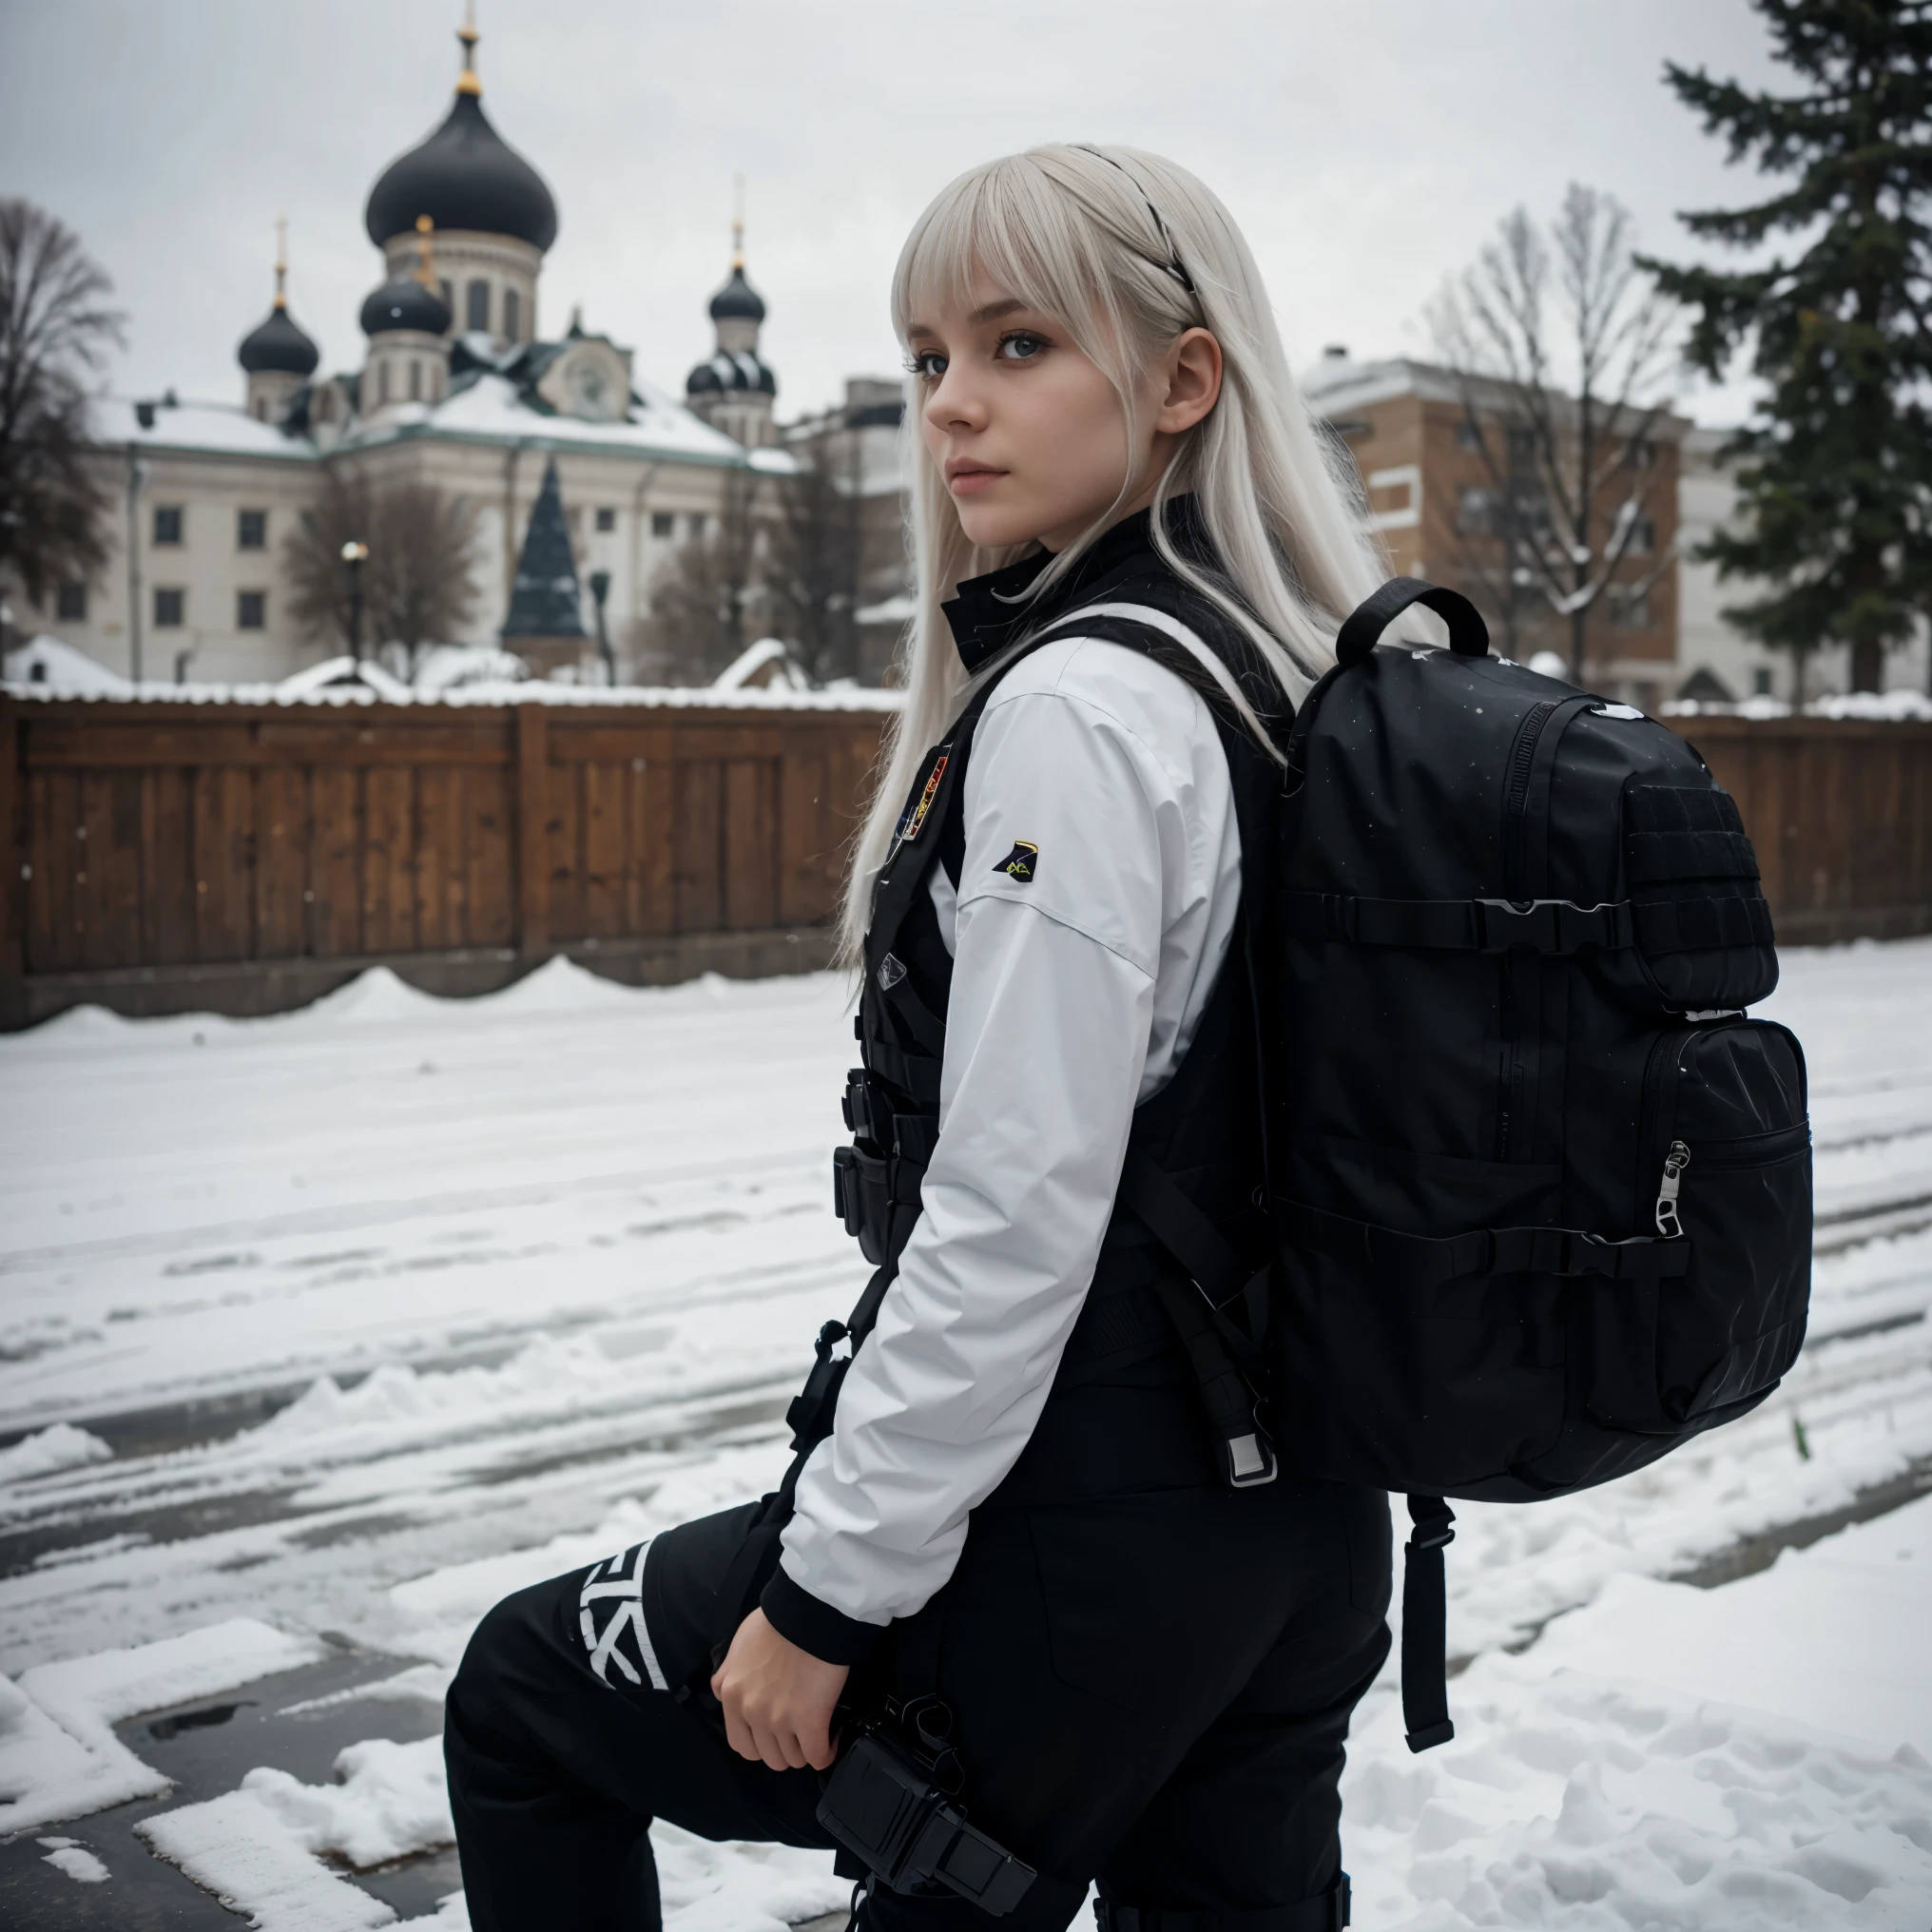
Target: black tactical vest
x: 1125, y: 1408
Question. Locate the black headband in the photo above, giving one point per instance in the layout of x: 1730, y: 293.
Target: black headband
x: 1172, y: 264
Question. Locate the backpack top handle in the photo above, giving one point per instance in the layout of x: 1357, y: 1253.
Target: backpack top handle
x: 1468, y: 633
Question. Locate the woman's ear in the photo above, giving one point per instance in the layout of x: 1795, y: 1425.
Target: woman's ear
x: 1192, y: 369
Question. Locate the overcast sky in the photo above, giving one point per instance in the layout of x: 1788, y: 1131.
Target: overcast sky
x: 1367, y: 147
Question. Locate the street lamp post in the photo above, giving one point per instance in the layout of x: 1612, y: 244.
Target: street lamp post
x: 354, y: 555
x: 600, y: 591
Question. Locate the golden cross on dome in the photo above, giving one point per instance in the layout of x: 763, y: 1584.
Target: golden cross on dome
x: 738, y: 221
x: 467, y: 82
x: 281, y: 260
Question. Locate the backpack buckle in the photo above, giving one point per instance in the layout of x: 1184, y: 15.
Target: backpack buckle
x: 1508, y: 922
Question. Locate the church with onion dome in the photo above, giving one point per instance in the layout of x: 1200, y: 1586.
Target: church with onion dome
x: 551, y: 437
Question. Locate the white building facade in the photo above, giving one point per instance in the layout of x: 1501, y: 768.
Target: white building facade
x: 457, y: 389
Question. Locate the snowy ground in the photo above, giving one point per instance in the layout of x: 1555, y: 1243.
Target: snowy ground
x: 319, y: 1333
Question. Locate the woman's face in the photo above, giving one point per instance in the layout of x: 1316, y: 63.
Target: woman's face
x: 1026, y: 431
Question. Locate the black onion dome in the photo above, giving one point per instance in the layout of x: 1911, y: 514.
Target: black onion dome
x: 405, y: 303
x: 280, y: 344
x: 464, y: 176
x: 737, y: 301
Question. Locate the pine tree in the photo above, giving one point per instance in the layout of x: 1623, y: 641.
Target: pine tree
x: 1835, y: 479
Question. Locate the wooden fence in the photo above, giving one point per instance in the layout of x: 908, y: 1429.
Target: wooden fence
x: 1840, y: 812
x: 242, y: 858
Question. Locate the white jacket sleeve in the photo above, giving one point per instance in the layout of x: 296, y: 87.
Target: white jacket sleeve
x: 1046, y: 1038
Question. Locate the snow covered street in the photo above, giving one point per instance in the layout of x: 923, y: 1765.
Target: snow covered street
x: 319, y: 1333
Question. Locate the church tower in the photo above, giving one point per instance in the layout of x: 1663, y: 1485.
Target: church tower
x: 493, y: 217
x: 276, y: 356
x: 408, y: 326
x: 732, y: 389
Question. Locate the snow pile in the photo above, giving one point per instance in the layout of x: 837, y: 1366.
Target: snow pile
x: 52, y: 666
x: 238, y: 1848
x: 63, y: 1446
x: 59, y: 1757
x: 392, y: 1801
x: 1837, y: 1635
x: 734, y: 1888
x: 1675, y: 1757
x: 70, y: 1856
x: 1572, y: 1803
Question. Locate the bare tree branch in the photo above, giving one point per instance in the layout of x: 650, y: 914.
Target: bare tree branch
x: 1564, y: 342
x: 55, y: 331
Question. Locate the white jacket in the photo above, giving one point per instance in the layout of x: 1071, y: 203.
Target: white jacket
x: 1074, y: 996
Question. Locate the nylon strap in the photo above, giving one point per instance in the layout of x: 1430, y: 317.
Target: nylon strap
x: 1470, y: 926
x: 1692, y: 925
x: 1425, y: 1640
x: 1329, y: 1913
x: 1425, y: 1261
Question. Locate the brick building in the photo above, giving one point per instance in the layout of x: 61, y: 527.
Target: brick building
x: 1438, y: 505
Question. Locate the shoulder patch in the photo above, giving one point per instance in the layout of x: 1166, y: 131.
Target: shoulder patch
x: 1021, y: 862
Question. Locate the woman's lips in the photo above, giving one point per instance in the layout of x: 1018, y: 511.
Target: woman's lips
x: 970, y: 482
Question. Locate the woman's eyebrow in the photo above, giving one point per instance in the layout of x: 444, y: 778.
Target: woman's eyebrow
x: 992, y: 311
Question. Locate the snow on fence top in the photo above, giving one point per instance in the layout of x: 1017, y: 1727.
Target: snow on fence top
x: 530, y: 691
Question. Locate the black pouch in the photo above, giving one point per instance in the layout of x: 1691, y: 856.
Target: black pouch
x: 1703, y: 927
x: 883, y: 1804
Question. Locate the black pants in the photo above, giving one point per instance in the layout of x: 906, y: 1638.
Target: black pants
x: 1150, y: 1690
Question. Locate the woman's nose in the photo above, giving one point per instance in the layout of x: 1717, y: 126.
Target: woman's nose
x: 954, y: 403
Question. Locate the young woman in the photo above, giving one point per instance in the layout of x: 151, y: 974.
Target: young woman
x: 1038, y: 1499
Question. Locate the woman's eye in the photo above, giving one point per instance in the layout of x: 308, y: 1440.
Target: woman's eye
x: 1021, y: 346
x: 928, y: 365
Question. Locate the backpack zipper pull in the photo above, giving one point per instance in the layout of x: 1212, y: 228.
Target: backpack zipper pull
x: 1675, y: 1161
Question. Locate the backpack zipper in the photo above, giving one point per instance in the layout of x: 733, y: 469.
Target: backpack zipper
x: 1516, y: 795
x: 1674, y: 1163
x: 1515, y: 805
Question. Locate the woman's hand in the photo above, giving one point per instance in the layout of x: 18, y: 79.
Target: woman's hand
x: 778, y: 1699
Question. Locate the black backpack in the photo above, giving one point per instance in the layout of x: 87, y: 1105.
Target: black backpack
x: 1542, y: 1193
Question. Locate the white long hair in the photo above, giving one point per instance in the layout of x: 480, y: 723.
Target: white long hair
x: 1105, y: 240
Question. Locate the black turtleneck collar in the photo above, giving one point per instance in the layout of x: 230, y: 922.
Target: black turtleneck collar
x: 989, y: 613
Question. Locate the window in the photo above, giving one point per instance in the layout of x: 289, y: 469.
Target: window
x: 512, y: 305
x: 694, y: 524
x: 1630, y: 608
x: 449, y: 296
x: 1761, y: 682
x: 71, y: 603
x: 478, y: 299
x: 607, y: 518
x: 262, y: 409
x: 382, y: 382
x: 1467, y: 436
x: 1476, y: 510
x: 663, y: 523
x: 168, y: 605
x: 168, y: 523
x: 251, y: 610
x: 1640, y: 453
x: 1643, y: 539
x: 251, y: 530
